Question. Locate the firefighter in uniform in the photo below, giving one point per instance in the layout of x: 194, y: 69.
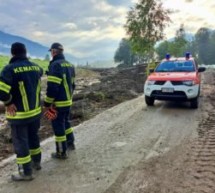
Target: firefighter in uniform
x: 20, y: 91
x: 58, y: 100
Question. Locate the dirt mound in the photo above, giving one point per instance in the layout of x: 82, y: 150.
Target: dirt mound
x: 96, y: 91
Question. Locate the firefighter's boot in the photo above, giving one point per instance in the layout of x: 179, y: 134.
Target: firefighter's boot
x: 58, y: 155
x: 36, y: 165
x: 21, y: 177
x: 71, y: 146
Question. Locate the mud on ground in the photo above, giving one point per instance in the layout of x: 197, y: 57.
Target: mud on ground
x: 134, y: 148
x: 96, y: 91
x: 187, y: 168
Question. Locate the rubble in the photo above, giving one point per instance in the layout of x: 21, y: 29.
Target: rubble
x: 95, y: 92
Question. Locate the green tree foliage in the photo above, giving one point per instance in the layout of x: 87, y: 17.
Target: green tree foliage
x: 47, y: 57
x: 123, y: 54
x: 163, y: 49
x: 145, y: 25
x: 192, y: 47
x: 179, y: 45
x: 211, y: 55
x: 202, y: 39
x: 202, y: 46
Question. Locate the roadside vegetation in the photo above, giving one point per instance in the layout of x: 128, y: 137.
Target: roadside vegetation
x: 80, y: 72
x: 4, y: 60
x: 201, y: 45
x: 146, y: 41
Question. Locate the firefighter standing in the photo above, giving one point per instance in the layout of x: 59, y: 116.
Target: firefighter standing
x: 60, y: 88
x: 20, y: 91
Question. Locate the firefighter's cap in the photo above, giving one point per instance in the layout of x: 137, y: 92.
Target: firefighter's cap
x: 18, y: 48
x: 56, y: 46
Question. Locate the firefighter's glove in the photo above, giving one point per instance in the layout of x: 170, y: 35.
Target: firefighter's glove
x: 50, y: 114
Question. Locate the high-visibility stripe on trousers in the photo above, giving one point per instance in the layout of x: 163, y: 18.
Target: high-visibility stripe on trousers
x: 68, y: 131
x: 26, y: 144
x: 35, y: 151
x: 23, y: 160
x: 63, y: 131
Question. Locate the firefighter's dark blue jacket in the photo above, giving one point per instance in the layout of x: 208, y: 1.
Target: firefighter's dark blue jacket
x: 20, y: 85
x: 60, y: 87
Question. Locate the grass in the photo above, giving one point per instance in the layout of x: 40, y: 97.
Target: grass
x: 4, y: 60
x: 43, y: 63
x: 80, y: 72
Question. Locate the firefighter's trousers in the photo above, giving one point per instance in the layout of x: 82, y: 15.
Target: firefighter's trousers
x: 63, y: 131
x: 26, y: 145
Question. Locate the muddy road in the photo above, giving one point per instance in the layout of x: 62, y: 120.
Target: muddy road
x: 132, y: 148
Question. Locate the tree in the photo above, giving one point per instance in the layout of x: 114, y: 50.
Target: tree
x: 202, y: 40
x: 211, y: 55
x: 124, y: 54
x: 179, y: 45
x: 192, y: 48
x: 162, y: 49
x: 145, y: 25
x: 176, y: 48
x: 47, y: 57
x: 201, y: 46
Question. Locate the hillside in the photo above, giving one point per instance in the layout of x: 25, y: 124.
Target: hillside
x: 80, y: 72
x: 35, y: 50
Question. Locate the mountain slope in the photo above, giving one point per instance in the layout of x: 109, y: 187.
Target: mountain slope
x: 35, y: 50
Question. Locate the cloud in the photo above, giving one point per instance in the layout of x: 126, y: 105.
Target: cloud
x: 38, y: 34
x: 193, y: 14
x: 91, y: 27
x: 75, y: 24
x: 119, y: 3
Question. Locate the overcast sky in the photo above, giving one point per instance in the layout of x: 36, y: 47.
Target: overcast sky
x: 92, y: 28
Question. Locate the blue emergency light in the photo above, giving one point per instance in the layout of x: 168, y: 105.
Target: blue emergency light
x: 187, y: 55
x: 167, y: 56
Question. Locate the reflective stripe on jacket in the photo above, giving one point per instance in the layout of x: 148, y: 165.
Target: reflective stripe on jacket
x: 60, y: 86
x: 20, y: 85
